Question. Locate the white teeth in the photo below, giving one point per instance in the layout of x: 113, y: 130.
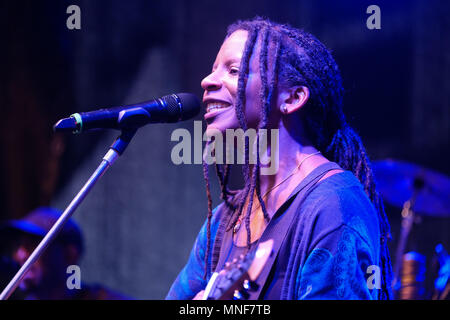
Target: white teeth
x: 215, y: 105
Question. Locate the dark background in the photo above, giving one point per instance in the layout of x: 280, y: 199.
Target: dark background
x: 141, y: 219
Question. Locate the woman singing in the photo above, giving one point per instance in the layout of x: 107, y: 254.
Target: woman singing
x: 321, y: 206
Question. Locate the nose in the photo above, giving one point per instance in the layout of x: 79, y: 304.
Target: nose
x: 211, y: 82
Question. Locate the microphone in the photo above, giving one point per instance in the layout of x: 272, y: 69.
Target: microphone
x: 168, y: 109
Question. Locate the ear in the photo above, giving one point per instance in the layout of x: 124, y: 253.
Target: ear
x: 293, y: 99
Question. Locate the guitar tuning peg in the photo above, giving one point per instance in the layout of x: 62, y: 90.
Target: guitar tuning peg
x: 240, y: 295
x: 250, y: 285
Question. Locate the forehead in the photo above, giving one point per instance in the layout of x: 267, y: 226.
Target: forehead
x: 233, y: 47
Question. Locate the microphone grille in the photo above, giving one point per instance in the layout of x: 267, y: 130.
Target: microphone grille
x: 181, y: 106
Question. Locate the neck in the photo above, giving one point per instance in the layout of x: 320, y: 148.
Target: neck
x: 292, y: 152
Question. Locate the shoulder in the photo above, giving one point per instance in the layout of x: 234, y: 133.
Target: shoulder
x: 342, y: 198
x: 222, y: 213
x: 220, y: 217
x: 337, y: 201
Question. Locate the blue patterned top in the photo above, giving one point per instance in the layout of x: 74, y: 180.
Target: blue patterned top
x: 331, y: 252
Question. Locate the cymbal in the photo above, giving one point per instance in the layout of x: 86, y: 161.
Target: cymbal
x: 397, y: 181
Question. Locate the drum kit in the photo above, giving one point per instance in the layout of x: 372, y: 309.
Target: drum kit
x: 421, y: 193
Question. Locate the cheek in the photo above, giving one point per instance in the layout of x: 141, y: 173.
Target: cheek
x: 231, y: 86
x: 253, y: 103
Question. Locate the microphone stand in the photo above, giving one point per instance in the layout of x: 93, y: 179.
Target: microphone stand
x: 116, y: 149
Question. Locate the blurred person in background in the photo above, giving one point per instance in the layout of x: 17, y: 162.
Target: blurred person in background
x: 47, y: 279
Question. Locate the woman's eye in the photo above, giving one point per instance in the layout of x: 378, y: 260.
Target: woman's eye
x: 234, y: 71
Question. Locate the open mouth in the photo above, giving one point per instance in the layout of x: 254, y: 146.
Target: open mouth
x: 213, y: 106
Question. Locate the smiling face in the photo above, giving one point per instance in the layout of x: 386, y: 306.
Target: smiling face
x: 221, y: 86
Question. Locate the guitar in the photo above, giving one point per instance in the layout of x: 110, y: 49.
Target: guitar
x: 238, y: 279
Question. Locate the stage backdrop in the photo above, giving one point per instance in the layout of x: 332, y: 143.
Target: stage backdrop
x: 141, y: 219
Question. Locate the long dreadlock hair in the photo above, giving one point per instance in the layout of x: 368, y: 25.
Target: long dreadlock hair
x: 292, y: 57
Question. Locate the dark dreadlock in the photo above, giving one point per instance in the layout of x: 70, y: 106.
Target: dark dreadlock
x: 297, y: 58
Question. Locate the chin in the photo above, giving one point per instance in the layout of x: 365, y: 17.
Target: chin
x: 220, y: 126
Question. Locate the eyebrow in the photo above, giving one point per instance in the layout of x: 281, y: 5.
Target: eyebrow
x: 232, y: 60
x: 229, y: 62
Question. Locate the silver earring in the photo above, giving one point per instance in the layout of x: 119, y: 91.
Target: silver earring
x: 283, y: 108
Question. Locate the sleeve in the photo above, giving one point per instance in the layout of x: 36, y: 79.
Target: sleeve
x: 190, y: 280
x: 340, y: 266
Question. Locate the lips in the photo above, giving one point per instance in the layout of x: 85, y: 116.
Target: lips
x: 211, y: 106
x: 214, y: 107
